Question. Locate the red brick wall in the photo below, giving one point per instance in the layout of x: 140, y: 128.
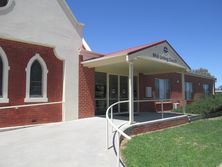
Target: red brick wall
x: 30, y: 115
x: 175, y: 87
x: 18, y: 55
x: 158, y: 125
x: 198, y: 85
x: 149, y: 80
x: 86, y: 91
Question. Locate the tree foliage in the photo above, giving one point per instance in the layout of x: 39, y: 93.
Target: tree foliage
x: 204, y: 105
x: 203, y: 72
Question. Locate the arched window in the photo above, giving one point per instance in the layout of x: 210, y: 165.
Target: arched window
x: 3, y: 3
x: 4, y: 68
x: 6, y: 6
x: 1, y: 77
x: 36, y: 80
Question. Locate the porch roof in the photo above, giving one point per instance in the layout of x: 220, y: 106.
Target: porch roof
x: 143, y: 59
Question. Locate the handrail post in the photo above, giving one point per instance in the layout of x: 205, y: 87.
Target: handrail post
x: 183, y: 92
x: 162, y: 108
x: 118, y: 149
x: 131, y: 94
x: 107, y: 134
x: 112, y: 116
x: 184, y: 106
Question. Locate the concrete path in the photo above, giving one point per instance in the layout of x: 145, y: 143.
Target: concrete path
x: 78, y: 143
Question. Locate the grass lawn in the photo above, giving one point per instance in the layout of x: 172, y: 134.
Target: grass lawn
x: 198, y: 144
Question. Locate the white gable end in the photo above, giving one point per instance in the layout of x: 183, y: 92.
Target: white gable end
x: 42, y: 21
x: 48, y: 22
x: 162, y: 52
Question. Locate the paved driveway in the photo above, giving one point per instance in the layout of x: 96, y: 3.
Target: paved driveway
x: 78, y: 143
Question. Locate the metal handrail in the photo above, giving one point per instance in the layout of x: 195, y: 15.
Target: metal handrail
x: 30, y: 105
x: 110, y: 121
x: 118, y: 130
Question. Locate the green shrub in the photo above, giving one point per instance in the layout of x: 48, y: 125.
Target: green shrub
x: 204, y: 105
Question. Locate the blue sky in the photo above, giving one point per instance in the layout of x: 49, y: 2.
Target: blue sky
x: 193, y: 27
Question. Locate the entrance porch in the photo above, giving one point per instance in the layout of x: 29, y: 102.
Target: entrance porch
x: 125, y: 76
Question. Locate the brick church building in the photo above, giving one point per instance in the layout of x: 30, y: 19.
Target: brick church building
x: 49, y: 74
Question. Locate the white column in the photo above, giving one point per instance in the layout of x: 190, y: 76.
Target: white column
x: 213, y: 91
x: 131, y: 98
x: 107, y: 90
x: 118, y: 92
x: 183, y: 91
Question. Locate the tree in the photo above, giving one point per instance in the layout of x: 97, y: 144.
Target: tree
x: 203, y: 72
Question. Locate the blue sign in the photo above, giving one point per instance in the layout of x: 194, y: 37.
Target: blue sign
x: 165, y: 49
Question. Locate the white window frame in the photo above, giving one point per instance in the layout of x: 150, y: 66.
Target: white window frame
x: 44, y: 98
x: 6, y: 68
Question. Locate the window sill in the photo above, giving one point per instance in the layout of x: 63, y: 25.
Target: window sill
x: 164, y: 102
x: 35, y: 99
x: 4, y: 100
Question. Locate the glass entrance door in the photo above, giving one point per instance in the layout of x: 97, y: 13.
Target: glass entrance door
x: 123, y: 93
x: 110, y: 89
x: 118, y: 91
x: 100, y: 93
x: 113, y: 91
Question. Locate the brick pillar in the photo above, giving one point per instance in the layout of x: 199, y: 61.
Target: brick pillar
x: 86, y: 91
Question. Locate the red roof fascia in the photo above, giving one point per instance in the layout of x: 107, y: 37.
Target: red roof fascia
x: 134, y: 49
